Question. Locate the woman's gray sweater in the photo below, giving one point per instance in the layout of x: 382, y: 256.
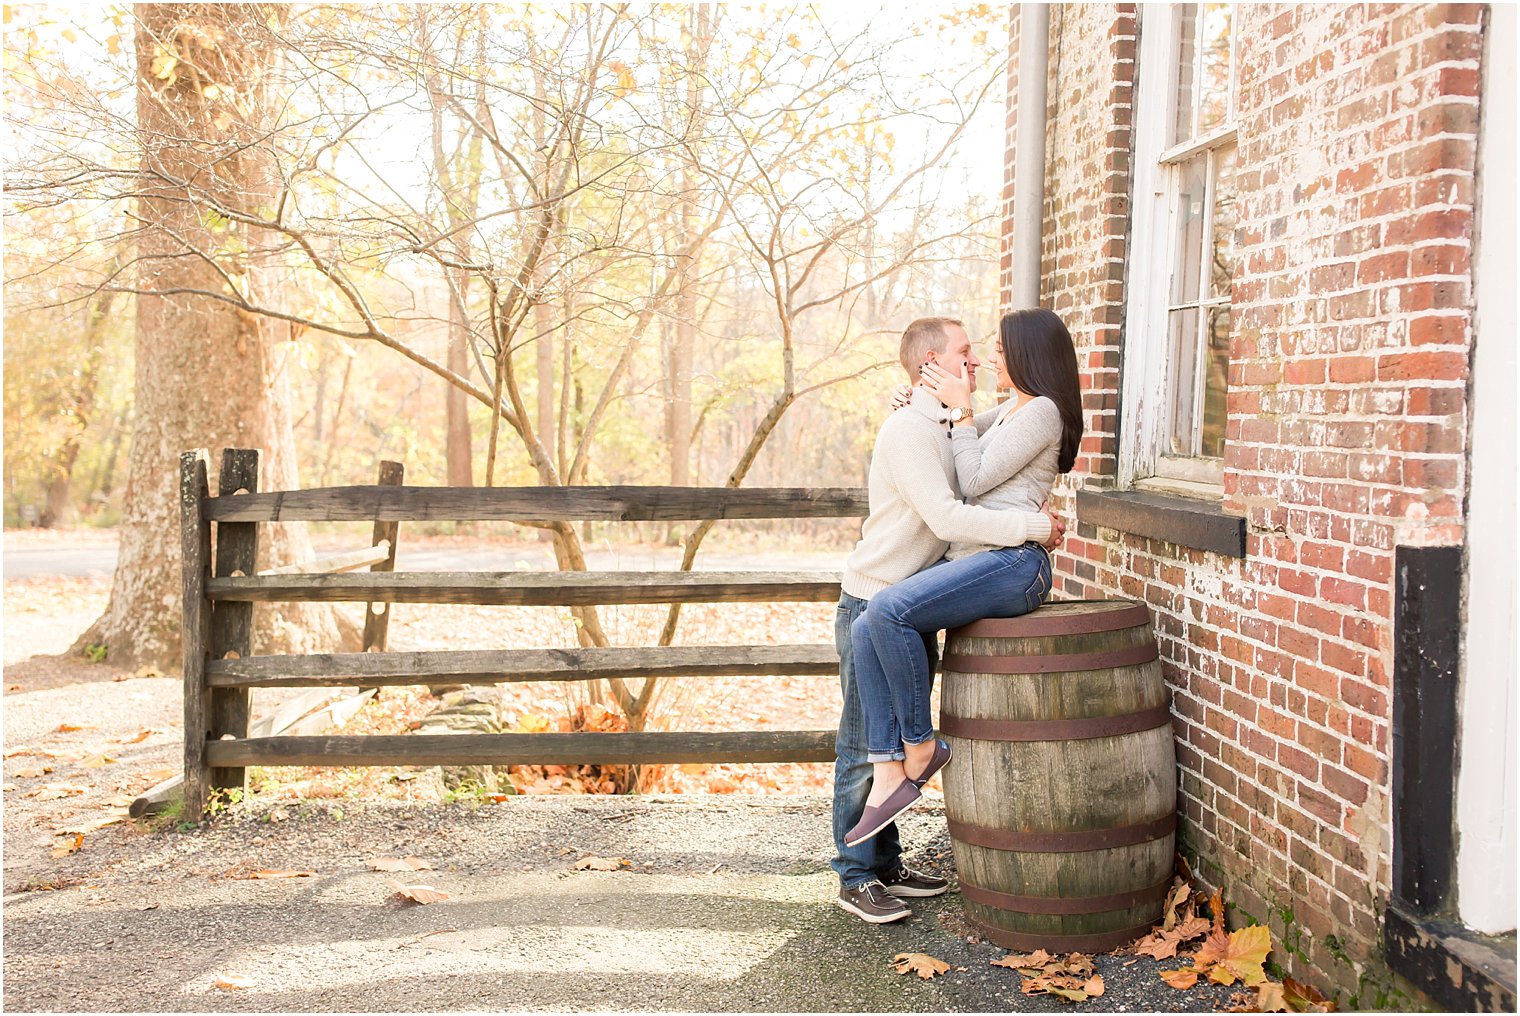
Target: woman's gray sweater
x: 1010, y: 466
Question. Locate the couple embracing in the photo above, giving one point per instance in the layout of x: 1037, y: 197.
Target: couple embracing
x: 957, y: 531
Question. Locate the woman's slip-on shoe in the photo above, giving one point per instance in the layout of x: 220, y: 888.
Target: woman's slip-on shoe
x: 874, y: 820
x: 936, y: 763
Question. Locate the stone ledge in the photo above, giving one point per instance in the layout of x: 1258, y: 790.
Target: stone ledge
x: 1185, y: 521
x: 1458, y: 968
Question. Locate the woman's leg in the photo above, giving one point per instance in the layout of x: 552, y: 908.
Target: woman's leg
x: 994, y: 583
x: 883, y: 738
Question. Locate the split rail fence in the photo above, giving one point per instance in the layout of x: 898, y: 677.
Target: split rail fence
x: 221, y: 588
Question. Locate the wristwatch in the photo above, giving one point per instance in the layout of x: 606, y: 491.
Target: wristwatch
x: 959, y: 413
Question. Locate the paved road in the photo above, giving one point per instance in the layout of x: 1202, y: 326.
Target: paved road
x: 78, y: 561
x: 59, y: 561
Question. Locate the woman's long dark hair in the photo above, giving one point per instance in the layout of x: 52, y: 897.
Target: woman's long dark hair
x: 1042, y: 361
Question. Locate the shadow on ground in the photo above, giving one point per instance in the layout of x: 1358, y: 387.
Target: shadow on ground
x: 726, y: 905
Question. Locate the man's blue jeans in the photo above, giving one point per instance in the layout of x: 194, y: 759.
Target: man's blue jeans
x: 893, y: 675
x: 881, y: 854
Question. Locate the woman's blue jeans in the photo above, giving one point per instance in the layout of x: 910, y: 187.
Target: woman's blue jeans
x: 892, y: 669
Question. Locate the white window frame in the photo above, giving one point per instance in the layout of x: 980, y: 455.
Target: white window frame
x: 1156, y: 205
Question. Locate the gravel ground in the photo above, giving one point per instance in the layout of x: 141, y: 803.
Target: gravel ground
x: 727, y: 906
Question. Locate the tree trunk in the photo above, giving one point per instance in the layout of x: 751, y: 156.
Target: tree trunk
x: 458, y: 451
x: 207, y: 374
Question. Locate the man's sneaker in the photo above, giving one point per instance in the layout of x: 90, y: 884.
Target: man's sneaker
x: 871, y: 903
x: 907, y: 882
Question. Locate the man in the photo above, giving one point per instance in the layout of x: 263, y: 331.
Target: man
x: 915, y: 515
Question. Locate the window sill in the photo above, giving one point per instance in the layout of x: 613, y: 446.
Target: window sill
x: 1195, y: 522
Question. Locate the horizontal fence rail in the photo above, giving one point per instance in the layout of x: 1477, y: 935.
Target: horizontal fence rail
x: 221, y: 587
x: 583, y: 748
x: 512, y: 666
x: 532, y: 589
x: 536, y: 504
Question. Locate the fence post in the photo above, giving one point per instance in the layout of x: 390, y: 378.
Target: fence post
x: 195, y: 565
x: 237, y: 547
x: 377, y: 625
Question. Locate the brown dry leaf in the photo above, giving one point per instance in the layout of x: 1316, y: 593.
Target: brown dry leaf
x: 280, y: 873
x: 1025, y: 961
x: 1180, y: 979
x: 55, y: 791
x: 1302, y: 998
x: 278, y: 815
x: 417, y: 893
x: 922, y: 964
x: 97, y: 762
x: 69, y: 728
x: 33, y: 773
x: 8, y: 787
x: 1094, y: 986
x: 142, y: 735
x: 122, y: 801
x: 1063, y: 986
x: 408, y: 863
x: 1241, y: 955
x: 601, y: 864
x: 1162, y: 945
x: 1269, y: 997
x: 112, y: 817
x: 1176, y: 898
x: 232, y: 982
x: 68, y: 846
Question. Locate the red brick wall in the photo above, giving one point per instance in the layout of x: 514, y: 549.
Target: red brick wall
x: 1347, y: 403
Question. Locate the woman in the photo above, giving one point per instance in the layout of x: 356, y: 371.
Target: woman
x: 1023, y: 445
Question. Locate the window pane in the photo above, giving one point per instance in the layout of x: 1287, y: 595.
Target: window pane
x: 1215, y: 381
x: 1187, y: 56
x: 1222, y: 266
x: 1182, y: 365
x: 1214, y: 72
x: 1189, y: 250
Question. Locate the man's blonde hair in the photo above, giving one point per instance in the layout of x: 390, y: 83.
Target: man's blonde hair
x: 921, y: 336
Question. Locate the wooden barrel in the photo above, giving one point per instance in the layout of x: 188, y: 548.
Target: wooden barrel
x: 1062, y: 793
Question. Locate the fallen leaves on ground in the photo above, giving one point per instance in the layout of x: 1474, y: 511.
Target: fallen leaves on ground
x: 232, y: 982
x: 1070, y: 978
x: 1303, y: 998
x: 69, y: 728
x: 1237, y: 955
x: 97, y: 761
x: 279, y: 873
x: 142, y: 735
x: 1224, y: 957
x: 922, y: 964
x: 601, y: 864
x: 90, y: 825
x: 1024, y: 961
x: 33, y: 773
x: 409, y: 863
x: 69, y: 846
x: 417, y: 893
x: 55, y: 791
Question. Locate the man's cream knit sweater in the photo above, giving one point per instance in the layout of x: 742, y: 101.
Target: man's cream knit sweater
x: 915, y: 511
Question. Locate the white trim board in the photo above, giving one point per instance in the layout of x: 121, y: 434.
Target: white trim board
x: 1486, y: 785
